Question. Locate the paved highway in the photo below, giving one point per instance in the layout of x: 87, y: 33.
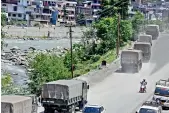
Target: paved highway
x: 118, y: 92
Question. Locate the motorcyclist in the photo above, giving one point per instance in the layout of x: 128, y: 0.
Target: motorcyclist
x: 144, y: 83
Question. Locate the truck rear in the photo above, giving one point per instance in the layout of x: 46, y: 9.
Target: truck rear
x: 153, y: 30
x: 145, y: 38
x: 64, y: 95
x: 16, y: 104
x: 145, y: 48
x: 131, y: 60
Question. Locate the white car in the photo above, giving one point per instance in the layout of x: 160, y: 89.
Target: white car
x: 150, y: 107
x: 166, y: 104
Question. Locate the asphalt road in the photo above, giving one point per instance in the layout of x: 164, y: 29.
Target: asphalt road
x: 118, y: 92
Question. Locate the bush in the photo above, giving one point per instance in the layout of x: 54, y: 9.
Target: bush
x: 46, y: 68
x: 95, y: 58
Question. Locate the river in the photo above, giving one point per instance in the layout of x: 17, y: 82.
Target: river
x: 20, y: 78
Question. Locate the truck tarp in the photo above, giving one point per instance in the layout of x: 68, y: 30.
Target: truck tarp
x: 145, y: 38
x: 16, y: 104
x: 153, y: 30
x: 62, y: 89
x: 130, y: 56
x: 145, y: 47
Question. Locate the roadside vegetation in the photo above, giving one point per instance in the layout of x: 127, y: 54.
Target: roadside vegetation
x: 8, y: 87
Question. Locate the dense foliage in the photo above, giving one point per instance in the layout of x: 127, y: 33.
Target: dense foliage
x: 46, y: 68
x: 8, y: 87
x: 112, y: 7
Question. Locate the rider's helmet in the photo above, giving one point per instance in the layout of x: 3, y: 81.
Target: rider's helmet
x: 144, y: 80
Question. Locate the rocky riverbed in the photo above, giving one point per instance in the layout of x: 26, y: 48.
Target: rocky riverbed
x: 14, y: 57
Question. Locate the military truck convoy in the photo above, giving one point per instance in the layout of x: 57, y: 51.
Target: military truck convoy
x: 64, y: 95
x: 131, y: 60
x: 61, y: 96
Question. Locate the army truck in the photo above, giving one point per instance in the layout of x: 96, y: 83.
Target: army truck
x: 153, y: 30
x: 64, y: 95
x: 131, y: 60
x: 16, y: 104
x: 145, y: 48
x: 145, y: 38
x: 34, y: 101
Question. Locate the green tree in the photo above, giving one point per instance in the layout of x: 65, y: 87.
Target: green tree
x: 113, y: 7
x: 137, y: 21
x: 6, y: 80
x: 107, y: 31
x: 46, y: 68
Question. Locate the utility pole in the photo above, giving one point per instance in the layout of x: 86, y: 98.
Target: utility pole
x: 118, y: 37
x: 71, y: 49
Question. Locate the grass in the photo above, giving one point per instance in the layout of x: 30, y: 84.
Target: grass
x: 87, y: 66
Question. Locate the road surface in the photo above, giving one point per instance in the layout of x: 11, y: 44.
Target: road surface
x: 118, y: 92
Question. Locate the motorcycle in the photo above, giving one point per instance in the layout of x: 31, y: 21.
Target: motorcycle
x: 142, y: 89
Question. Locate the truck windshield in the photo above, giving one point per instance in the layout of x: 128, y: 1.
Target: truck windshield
x: 145, y: 110
x: 162, y: 91
x: 91, y: 110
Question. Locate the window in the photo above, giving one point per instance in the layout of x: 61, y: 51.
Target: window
x: 67, y: 4
x: 19, y: 15
x: 9, y: 14
x: 14, y: 15
x: 15, y: 8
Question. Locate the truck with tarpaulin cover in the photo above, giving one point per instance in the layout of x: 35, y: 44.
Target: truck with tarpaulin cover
x: 153, y: 30
x: 64, y: 95
x: 131, y: 60
x: 16, y: 104
x: 145, y: 38
x: 145, y: 48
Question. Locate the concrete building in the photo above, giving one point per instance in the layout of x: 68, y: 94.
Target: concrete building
x: 16, y: 9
